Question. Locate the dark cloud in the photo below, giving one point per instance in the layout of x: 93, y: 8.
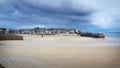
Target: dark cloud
x: 43, y: 13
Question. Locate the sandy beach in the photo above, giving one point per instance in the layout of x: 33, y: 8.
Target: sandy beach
x: 60, y: 52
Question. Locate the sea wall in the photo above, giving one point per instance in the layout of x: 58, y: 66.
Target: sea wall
x: 11, y: 37
x: 94, y: 35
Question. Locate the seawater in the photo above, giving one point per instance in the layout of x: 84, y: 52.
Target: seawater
x: 113, y: 36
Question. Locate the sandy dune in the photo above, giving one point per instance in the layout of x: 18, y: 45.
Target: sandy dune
x: 59, y: 52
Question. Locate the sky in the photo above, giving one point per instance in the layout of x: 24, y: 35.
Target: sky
x: 84, y: 15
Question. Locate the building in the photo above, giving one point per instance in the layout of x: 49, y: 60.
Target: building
x: 53, y: 31
x: 26, y: 31
x: 3, y: 31
x: 40, y: 31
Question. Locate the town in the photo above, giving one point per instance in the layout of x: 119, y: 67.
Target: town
x: 13, y: 34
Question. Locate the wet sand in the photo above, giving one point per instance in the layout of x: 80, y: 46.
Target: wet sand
x: 60, y: 52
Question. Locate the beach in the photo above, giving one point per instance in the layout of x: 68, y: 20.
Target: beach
x: 58, y: 51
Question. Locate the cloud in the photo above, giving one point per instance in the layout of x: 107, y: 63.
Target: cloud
x: 102, y: 20
x: 60, y: 13
x: 105, y: 17
x: 57, y: 12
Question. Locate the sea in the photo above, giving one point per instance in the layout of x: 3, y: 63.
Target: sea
x: 113, y: 36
